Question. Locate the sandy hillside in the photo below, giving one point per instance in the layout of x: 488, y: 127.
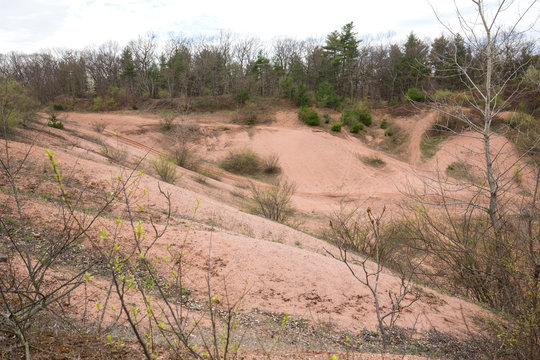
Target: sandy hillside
x: 288, y: 271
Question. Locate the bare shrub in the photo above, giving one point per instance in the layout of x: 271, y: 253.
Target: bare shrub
x: 182, y: 152
x: 114, y: 153
x: 165, y: 167
x: 166, y: 121
x: 377, y: 241
x: 184, y: 157
x: 99, y: 126
x: 275, y: 202
x: 247, y: 114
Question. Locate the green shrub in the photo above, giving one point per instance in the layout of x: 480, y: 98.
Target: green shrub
x: 17, y: 107
x: 384, y: 124
x: 300, y: 95
x: 163, y: 94
x: 415, y: 94
x: 336, y: 127
x: 286, y: 88
x: 389, y: 132
x: 242, y: 96
x: 97, y: 104
x: 359, y: 113
x: 348, y: 117
x: 58, y: 107
x: 309, y: 116
x: 365, y: 119
x: 356, y: 127
x: 55, y: 123
x: 327, y: 96
x: 243, y: 161
x: 393, y: 101
x: 442, y: 95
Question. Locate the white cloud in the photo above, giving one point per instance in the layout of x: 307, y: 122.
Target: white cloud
x: 31, y: 25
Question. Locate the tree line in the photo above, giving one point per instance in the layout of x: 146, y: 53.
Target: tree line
x: 342, y: 65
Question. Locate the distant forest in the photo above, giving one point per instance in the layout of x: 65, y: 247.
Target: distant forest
x: 321, y: 72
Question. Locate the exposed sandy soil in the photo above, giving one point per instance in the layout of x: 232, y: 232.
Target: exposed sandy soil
x: 287, y: 271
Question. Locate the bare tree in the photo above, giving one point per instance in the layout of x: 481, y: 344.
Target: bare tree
x: 375, y: 245
x: 474, y: 223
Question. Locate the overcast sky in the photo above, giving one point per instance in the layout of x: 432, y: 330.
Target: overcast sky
x: 33, y: 25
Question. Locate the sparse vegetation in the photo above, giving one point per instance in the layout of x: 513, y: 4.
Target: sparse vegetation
x: 373, y: 160
x: 517, y: 175
x: 249, y: 114
x: 184, y: 157
x: 449, y: 122
x: 526, y: 133
x: 326, y: 118
x: 430, y: 145
x: 459, y: 170
x: 394, y: 139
